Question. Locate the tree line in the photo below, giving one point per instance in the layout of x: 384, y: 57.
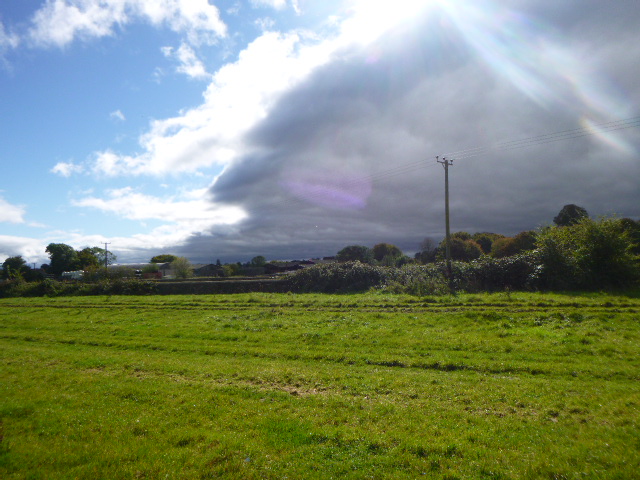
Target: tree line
x: 62, y: 258
x: 575, y: 251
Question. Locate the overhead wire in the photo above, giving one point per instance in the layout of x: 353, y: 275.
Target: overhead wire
x: 397, y: 170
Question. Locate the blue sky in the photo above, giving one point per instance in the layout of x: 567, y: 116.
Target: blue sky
x: 229, y: 129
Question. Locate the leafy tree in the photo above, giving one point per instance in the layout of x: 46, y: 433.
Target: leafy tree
x: 633, y: 230
x: 63, y: 258
x: 570, y: 215
x: 258, y: 261
x: 101, y: 254
x: 589, y: 254
x: 509, y: 246
x: 164, y: 258
x: 14, y: 267
x: 382, y: 250
x: 462, y: 250
x: 88, y: 257
x: 182, y: 267
x: 485, y: 240
x: 231, y: 269
x: 462, y: 235
x: 354, y: 253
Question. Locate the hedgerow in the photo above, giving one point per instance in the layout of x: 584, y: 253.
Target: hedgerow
x: 54, y: 288
x: 519, y: 272
x: 337, y: 278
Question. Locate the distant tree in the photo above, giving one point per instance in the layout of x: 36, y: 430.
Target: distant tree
x: 182, y: 267
x: 509, y: 246
x: 218, y: 263
x: 105, y: 256
x: 88, y: 258
x: 63, y: 258
x: 428, y: 250
x: 485, y: 240
x: 354, y: 253
x: 382, y: 250
x: 462, y: 250
x: 231, y: 269
x: 164, y: 258
x: 570, y: 215
x: 14, y: 267
x: 258, y: 261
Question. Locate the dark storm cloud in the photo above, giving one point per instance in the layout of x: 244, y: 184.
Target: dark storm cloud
x: 350, y: 130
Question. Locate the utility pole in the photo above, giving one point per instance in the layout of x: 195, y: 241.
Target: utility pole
x: 106, y: 254
x: 446, y: 163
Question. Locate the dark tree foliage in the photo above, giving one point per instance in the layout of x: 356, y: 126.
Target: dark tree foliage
x: 509, y: 246
x: 88, y: 257
x: 354, y: 253
x: 258, y: 261
x: 632, y: 229
x: 462, y: 250
x: 382, y: 250
x: 570, y: 215
x: 63, y: 258
x: 590, y: 254
x: 14, y: 267
x: 461, y: 235
x: 485, y: 240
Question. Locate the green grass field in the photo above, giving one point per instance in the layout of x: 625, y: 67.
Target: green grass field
x: 505, y: 386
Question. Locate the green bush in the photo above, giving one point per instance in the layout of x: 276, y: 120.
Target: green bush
x: 518, y: 272
x: 589, y: 254
x: 337, y: 278
x: 417, y: 280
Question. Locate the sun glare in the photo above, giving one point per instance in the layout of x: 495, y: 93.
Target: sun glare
x: 373, y: 18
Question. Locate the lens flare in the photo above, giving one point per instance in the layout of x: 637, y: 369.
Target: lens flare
x: 607, y: 136
x: 532, y: 57
x: 329, y: 189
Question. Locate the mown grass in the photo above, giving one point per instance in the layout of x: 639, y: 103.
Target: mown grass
x: 318, y: 386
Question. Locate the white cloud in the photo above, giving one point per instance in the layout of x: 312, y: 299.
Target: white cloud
x: 191, y: 210
x: 277, y: 4
x: 190, y: 64
x: 11, y: 213
x: 239, y: 96
x: 7, y: 40
x: 66, y: 169
x: 60, y: 22
x: 185, y: 215
x: 118, y: 115
x: 265, y: 24
x: 30, y: 249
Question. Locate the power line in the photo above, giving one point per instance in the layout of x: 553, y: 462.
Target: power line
x: 401, y: 169
x: 550, y: 137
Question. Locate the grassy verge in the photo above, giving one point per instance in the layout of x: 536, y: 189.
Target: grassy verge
x: 312, y: 386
